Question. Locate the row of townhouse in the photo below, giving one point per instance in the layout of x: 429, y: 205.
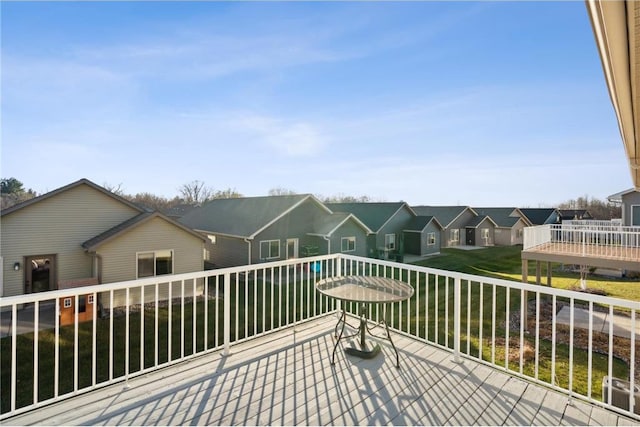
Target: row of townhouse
x: 82, y: 234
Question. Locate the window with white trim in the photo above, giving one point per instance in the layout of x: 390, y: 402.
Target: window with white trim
x: 390, y: 241
x: 484, y: 232
x: 348, y: 244
x: 67, y: 302
x: 635, y: 215
x: 155, y: 263
x: 519, y: 232
x: 431, y: 239
x: 454, y: 235
x: 269, y: 249
x: 90, y: 299
x: 206, y: 254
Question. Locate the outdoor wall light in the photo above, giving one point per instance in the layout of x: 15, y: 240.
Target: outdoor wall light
x: 16, y: 266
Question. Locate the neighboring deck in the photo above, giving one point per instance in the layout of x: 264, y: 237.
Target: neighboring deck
x: 584, y: 243
x: 287, y: 379
x: 579, y: 254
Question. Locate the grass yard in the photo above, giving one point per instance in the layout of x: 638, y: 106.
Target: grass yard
x: 504, y: 262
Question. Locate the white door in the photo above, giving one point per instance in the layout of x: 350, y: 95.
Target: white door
x: 292, y: 248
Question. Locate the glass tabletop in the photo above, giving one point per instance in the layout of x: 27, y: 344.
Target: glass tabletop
x: 365, y: 289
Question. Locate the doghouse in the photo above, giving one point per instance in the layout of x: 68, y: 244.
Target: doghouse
x: 85, y: 302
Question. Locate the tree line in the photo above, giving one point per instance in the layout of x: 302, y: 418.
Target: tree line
x: 197, y: 192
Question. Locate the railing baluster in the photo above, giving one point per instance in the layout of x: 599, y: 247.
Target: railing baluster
x: 36, y: 330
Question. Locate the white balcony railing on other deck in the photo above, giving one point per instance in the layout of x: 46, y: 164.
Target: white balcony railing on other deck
x: 607, y: 241
x: 508, y: 325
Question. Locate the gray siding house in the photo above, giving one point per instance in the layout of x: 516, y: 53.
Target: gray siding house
x: 480, y: 231
x: 82, y: 231
x: 630, y: 200
x: 250, y: 230
x: 394, y: 224
x: 509, y: 224
x: 454, y: 220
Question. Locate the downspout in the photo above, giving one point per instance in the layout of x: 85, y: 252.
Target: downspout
x: 328, y: 244
x: 248, y: 241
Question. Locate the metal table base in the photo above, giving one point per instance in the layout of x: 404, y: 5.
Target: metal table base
x: 361, y: 331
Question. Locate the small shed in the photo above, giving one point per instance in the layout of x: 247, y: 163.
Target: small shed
x: 84, y: 302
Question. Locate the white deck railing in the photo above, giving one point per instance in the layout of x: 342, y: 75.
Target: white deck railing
x: 584, y: 240
x: 43, y: 361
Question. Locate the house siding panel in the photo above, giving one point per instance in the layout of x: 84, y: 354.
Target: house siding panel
x: 228, y: 251
x: 629, y: 200
x: 58, y: 225
x: 295, y: 225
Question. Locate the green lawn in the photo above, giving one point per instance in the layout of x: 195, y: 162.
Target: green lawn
x: 505, y: 263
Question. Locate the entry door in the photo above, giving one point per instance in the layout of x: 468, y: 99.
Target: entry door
x: 471, y: 236
x: 292, y: 248
x: 39, y: 273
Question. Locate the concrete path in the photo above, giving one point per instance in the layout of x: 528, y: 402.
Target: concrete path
x: 25, y: 320
x: 621, y: 324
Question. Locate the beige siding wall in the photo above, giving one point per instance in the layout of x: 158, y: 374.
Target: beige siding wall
x: 58, y: 225
x: 119, y: 260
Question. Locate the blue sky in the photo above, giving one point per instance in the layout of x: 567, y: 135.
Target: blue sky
x: 474, y: 103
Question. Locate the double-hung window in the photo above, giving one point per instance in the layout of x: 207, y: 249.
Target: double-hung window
x: 455, y: 235
x: 269, y: 249
x: 431, y: 239
x: 155, y: 263
x: 348, y: 244
x: 390, y: 241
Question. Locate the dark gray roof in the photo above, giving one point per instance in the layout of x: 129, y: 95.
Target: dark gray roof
x: 374, y: 215
x: 52, y: 193
x: 243, y: 216
x: 444, y: 214
x: 179, y: 211
x: 501, y: 216
x: 418, y: 223
x: 538, y: 216
x: 129, y: 224
x: 326, y: 225
x: 574, y: 214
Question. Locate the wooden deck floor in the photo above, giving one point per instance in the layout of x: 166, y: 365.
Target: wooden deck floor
x: 286, y: 379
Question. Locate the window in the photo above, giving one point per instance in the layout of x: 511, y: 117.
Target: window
x: 155, y: 263
x: 348, y: 244
x: 206, y: 255
x: 390, y: 241
x: 269, y: 249
x: 455, y: 235
x: 90, y: 299
x: 67, y: 302
x: 519, y: 232
x: 635, y: 215
x: 431, y: 239
x: 485, y: 233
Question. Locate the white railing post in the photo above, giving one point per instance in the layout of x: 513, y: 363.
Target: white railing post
x: 227, y: 314
x: 456, y: 319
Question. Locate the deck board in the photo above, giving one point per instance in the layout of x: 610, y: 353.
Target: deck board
x: 286, y: 379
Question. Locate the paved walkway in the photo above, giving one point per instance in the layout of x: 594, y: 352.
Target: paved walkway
x: 621, y: 324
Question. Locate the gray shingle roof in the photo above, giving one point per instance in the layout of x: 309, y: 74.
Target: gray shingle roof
x: 418, y: 223
x: 537, y: 216
x: 444, y: 214
x: 326, y: 225
x: 243, y: 216
x: 501, y: 216
x: 373, y: 215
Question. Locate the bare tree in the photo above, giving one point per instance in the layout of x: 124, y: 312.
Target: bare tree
x: 597, y: 208
x: 229, y: 193
x: 281, y: 191
x: 195, y: 192
x: 342, y: 198
x: 115, y: 189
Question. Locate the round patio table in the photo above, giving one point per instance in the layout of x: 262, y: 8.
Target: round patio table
x: 364, y: 290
